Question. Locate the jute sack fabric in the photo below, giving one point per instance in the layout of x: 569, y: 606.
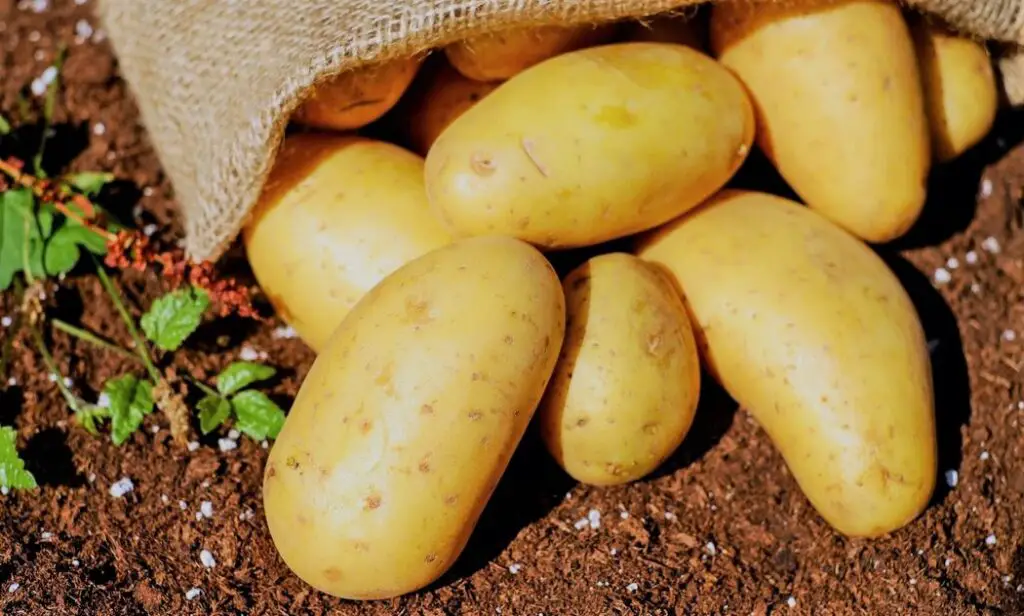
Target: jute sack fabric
x: 216, y: 80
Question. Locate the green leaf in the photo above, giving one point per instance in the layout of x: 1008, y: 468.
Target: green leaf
x: 45, y: 217
x: 5, y: 126
x: 213, y: 410
x: 88, y: 414
x: 83, y: 236
x: 90, y: 182
x: 172, y: 318
x: 15, y: 209
x: 130, y: 401
x: 240, y: 375
x: 60, y: 255
x: 12, y: 469
x: 257, y: 415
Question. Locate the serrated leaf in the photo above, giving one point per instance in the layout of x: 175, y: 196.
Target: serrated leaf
x: 172, y: 318
x: 15, y: 209
x: 213, y: 411
x: 130, y: 401
x: 90, y: 182
x: 13, y: 475
x: 258, y: 416
x: 240, y: 375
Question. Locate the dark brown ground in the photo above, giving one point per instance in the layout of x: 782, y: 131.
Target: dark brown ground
x: 723, y: 528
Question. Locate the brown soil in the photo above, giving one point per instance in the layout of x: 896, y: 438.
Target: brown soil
x: 721, y: 529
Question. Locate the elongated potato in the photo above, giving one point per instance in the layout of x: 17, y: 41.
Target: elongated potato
x: 447, y: 96
x: 409, y: 416
x: 357, y: 97
x: 810, y: 331
x: 500, y: 55
x: 627, y: 382
x: 959, y: 87
x: 690, y: 30
x: 840, y: 104
x: 336, y: 216
x: 630, y: 135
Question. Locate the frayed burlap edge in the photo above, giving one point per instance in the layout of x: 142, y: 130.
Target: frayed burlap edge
x: 217, y: 81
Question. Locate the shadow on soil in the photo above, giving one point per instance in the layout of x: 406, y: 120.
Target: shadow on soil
x: 48, y: 457
x: 715, y: 413
x: 10, y: 404
x: 949, y: 366
x: 531, y: 487
x: 953, y: 187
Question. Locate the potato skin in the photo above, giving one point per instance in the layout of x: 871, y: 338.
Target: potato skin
x: 630, y: 135
x: 626, y: 386
x: 840, y: 105
x: 409, y: 416
x: 501, y: 55
x: 811, y: 332
x: 337, y: 214
x: 445, y: 97
x: 959, y: 87
x: 356, y: 98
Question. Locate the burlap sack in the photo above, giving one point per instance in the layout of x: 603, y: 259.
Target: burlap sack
x: 216, y: 80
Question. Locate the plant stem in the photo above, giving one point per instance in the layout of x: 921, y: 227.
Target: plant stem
x: 206, y: 389
x: 140, y: 345
x: 51, y: 366
x: 48, y: 107
x: 88, y: 336
x: 26, y: 254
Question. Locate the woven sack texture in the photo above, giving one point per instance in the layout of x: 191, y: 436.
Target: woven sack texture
x: 216, y: 80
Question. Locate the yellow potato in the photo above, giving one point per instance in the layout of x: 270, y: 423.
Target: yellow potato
x: 627, y: 137
x: 336, y: 216
x: 627, y: 382
x: 447, y: 96
x: 959, y: 87
x: 690, y: 30
x: 811, y: 332
x: 408, y: 418
x: 840, y: 104
x: 499, y: 56
x: 355, y: 98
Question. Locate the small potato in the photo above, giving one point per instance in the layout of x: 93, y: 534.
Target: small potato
x: 690, y: 30
x: 840, y: 104
x: 356, y: 98
x: 336, y: 216
x: 499, y: 56
x: 409, y: 416
x: 447, y: 96
x: 592, y: 145
x: 959, y: 87
x: 627, y: 382
x: 808, y: 329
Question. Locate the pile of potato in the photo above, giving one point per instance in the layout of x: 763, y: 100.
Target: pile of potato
x: 421, y: 273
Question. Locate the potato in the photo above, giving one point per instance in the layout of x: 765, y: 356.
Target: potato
x: 627, y: 382
x: 690, y: 30
x: 959, y: 87
x: 337, y: 215
x: 409, y: 416
x: 355, y: 98
x: 810, y: 331
x: 840, y: 104
x: 500, y: 55
x: 627, y: 136
x: 445, y: 97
